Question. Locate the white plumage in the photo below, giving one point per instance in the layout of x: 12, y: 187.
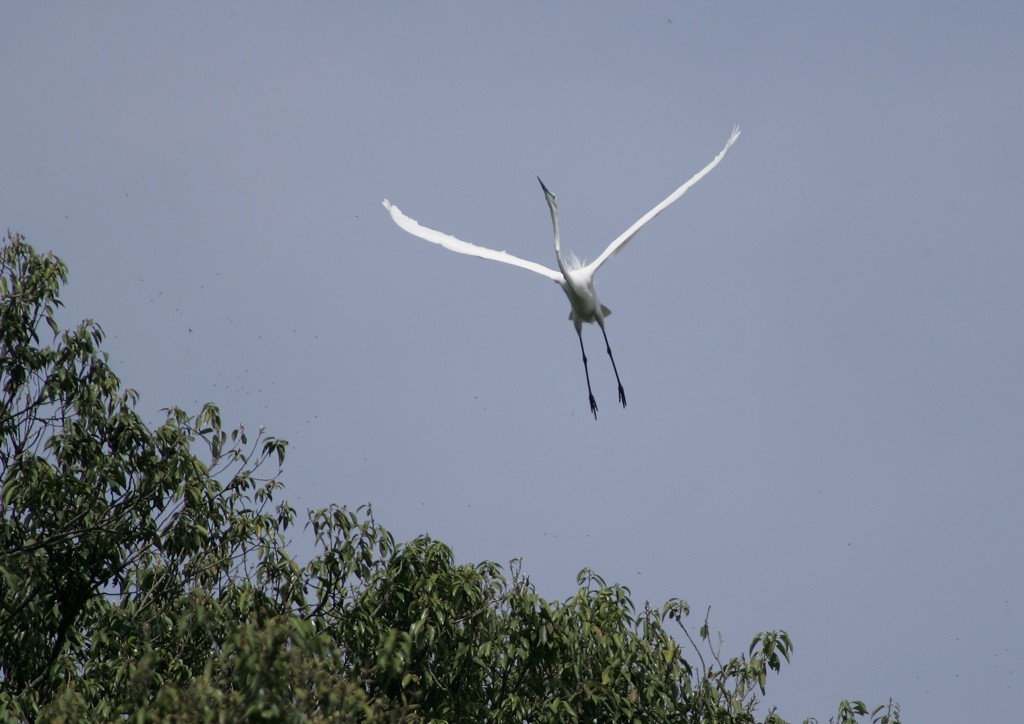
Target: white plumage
x: 576, y: 279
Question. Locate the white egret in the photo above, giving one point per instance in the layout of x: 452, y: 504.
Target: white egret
x: 575, y: 277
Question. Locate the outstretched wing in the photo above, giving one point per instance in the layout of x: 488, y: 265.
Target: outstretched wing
x: 616, y: 245
x: 459, y: 246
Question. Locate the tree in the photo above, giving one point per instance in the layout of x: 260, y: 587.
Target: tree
x: 146, y: 573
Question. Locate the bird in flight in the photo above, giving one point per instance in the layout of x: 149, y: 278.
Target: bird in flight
x: 575, y: 277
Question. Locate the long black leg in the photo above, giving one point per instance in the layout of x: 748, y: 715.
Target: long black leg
x: 586, y: 370
x: 622, y: 392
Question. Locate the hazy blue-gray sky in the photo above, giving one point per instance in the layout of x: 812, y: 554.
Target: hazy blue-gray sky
x: 821, y: 343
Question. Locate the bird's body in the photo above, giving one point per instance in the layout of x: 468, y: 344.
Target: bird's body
x: 575, y: 278
x: 586, y: 308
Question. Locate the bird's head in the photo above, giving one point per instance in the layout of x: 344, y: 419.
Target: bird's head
x: 550, y: 197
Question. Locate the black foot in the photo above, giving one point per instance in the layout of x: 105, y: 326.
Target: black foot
x: 593, y: 406
x: 622, y: 396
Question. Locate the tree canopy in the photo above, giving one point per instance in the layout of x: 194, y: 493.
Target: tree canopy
x: 145, y: 574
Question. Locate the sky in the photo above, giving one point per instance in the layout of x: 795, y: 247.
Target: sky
x: 821, y: 343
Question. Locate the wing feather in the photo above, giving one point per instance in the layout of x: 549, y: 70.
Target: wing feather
x: 459, y: 246
x: 629, y: 233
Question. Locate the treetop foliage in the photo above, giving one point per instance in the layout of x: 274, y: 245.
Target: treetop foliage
x: 145, y: 575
